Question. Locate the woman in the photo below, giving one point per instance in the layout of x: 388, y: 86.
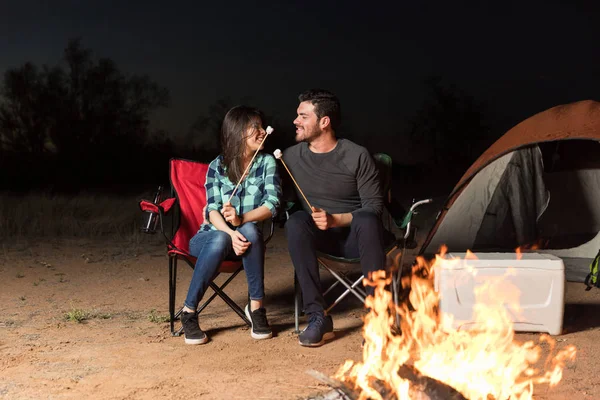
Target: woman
x: 229, y: 230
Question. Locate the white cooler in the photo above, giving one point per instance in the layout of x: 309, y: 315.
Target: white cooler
x: 539, y: 279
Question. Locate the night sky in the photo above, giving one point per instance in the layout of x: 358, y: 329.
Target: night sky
x: 519, y: 58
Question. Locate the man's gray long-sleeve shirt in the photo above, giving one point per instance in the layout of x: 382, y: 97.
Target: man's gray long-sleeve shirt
x: 344, y: 180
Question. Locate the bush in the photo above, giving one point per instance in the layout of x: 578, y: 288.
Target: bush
x: 86, y: 215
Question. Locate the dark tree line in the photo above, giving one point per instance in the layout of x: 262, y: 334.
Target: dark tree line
x: 82, y: 123
x: 204, y: 135
x: 452, y: 124
x: 85, y: 125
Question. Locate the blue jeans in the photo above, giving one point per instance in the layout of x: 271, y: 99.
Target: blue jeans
x: 213, y: 247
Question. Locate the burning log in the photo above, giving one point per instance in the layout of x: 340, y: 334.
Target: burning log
x: 341, y: 389
x: 422, y: 387
x: 425, y: 388
x: 431, y: 362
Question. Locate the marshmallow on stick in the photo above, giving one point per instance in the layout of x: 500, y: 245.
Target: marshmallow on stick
x: 279, y: 155
x: 269, y: 130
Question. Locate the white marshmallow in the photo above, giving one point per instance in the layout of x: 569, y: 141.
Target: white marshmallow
x: 277, y: 153
x: 269, y: 130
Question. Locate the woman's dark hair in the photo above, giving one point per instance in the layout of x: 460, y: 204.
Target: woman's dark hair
x: 233, y: 138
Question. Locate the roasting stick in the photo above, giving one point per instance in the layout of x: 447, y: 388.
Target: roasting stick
x: 278, y: 155
x: 269, y: 130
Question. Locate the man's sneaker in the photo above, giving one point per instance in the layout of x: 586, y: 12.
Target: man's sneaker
x: 260, y: 326
x: 319, y: 329
x: 192, y: 332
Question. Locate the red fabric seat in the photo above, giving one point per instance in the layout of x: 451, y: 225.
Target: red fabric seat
x: 186, y: 207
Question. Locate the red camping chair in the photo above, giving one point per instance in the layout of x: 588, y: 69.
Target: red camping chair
x: 186, y: 207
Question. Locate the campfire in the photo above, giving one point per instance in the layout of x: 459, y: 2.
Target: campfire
x: 426, y: 361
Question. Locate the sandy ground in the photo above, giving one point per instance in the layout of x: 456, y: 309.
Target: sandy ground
x: 125, y: 350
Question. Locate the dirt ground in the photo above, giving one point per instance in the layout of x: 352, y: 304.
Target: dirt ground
x: 124, y: 349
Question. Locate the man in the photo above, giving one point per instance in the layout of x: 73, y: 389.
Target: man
x: 340, y: 181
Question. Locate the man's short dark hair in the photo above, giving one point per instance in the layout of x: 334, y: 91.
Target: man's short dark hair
x: 326, y: 104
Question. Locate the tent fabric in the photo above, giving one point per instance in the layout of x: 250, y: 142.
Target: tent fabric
x: 500, y: 207
x: 462, y: 220
x: 519, y: 201
x: 508, y: 198
x: 572, y: 221
x: 580, y: 120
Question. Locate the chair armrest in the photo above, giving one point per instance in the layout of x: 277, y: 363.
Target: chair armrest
x: 271, y: 230
x: 404, y: 223
x: 162, y: 207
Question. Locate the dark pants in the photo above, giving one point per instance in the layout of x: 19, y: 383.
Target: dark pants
x: 365, y: 238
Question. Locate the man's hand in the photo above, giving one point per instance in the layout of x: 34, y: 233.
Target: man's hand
x: 230, y: 215
x: 322, y: 219
x: 239, y: 242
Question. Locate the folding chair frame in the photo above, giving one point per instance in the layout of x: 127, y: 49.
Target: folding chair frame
x: 175, y: 254
x: 355, y: 287
x: 217, y: 291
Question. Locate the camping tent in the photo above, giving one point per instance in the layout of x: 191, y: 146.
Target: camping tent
x: 538, y: 186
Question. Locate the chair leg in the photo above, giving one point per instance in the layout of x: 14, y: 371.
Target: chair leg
x: 396, y: 286
x: 354, y: 289
x: 172, y: 291
x: 330, y: 288
x: 395, y: 294
x: 231, y: 303
x: 207, y: 302
x: 349, y: 288
x: 218, y: 291
x: 297, y: 295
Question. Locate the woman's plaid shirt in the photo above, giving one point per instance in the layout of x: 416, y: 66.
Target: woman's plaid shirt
x: 261, y: 187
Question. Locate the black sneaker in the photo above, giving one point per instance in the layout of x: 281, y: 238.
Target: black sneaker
x: 319, y: 329
x: 192, y: 332
x: 260, y: 326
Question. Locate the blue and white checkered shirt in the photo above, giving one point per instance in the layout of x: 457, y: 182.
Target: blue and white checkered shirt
x: 261, y: 187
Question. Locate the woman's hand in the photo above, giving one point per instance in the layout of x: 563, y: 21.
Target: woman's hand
x: 239, y: 242
x: 230, y: 215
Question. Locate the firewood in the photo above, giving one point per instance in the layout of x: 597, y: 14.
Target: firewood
x: 421, y: 387
x: 348, y: 392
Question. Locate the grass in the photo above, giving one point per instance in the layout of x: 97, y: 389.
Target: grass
x: 77, y: 315
x: 84, y: 215
x: 156, y: 318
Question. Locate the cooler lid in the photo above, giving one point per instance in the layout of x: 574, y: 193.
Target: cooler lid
x: 507, y: 260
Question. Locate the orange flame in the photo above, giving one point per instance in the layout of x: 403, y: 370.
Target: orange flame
x: 480, y: 364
